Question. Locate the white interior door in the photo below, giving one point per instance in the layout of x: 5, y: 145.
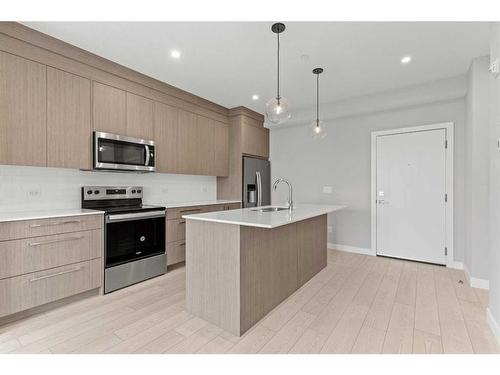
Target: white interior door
x: 411, y: 187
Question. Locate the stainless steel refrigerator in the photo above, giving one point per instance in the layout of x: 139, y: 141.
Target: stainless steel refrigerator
x: 256, y: 182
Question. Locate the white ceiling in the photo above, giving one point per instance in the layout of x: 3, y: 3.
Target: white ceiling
x: 227, y: 62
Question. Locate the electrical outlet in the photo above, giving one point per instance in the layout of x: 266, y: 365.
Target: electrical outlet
x: 327, y: 189
x: 498, y: 143
x: 330, y: 229
x: 33, y: 193
x: 495, y: 68
x: 164, y: 190
x: 204, y: 189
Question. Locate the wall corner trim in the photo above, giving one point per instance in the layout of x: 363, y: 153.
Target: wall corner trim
x: 495, y: 327
x: 350, y: 249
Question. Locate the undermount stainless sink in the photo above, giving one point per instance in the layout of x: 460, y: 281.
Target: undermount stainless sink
x: 270, y: 209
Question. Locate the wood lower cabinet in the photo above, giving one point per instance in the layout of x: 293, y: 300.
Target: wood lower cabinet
x: 48, y: 259
x: 22, y: 111
x: 109, y: 109
x: 176, y: 228
x: 69, y: 131
x: 139, y: 117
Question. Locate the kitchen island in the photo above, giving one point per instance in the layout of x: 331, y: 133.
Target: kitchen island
x: 240, y: 264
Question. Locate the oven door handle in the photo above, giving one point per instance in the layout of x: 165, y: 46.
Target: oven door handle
x: 113, y: 218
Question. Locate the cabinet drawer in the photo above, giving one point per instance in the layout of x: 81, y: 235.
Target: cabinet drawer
x: 176, y: 213
x: 30, y: 255
x: 176, y: 252
x: 232, y: 206
x: 37, y: 288
x: 43, y: 227
x: 176, y: 230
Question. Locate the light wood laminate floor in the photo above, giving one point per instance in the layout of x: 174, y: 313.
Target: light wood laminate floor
x: 357, y: 304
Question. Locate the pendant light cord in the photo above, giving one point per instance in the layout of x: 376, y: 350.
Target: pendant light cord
x: 278, y: 90
x: 317, y: 99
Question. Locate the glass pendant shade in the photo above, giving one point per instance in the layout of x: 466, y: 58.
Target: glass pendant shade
x: 318, y: 130
x: 278, y: 111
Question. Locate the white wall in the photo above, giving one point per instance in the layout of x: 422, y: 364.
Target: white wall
x: 34, y: 188
x: 494, y: 258
x: 477, y: 154
x: 342, y: 161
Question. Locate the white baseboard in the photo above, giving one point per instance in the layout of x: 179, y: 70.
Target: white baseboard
x: 351, y: 249
x: 456, y: 265
x: 493, y: 324
x: 474, y: 281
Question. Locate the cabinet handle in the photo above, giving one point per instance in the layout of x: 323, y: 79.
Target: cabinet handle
x: 56, y: 274
x: 182, y: 222
x: 182, y: 244
x: 55, y: 241
x: 55, y: 223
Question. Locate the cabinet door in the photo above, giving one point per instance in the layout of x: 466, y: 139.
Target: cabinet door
x: 166, y: 135
x: 139, y: 117
x: 109, y: 108
x: 22, y: 111
x: 255, y: 140
x: 69, y: 132
x: 205, y: 140
x: 187, y: 143
x: 221, y: 148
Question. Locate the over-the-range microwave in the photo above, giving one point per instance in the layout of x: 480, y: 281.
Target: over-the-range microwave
x: 120, y: 153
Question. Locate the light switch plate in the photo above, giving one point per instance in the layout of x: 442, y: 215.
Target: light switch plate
x: 330, y: 229
x: 327, y: 189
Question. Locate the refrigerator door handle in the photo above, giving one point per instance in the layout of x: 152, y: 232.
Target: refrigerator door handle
x: 259, y: 188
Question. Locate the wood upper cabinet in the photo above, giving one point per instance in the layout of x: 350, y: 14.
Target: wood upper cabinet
x: 255, y: 140
x: 187, y: 145
x: 22, y: 111
x: 69, y: 131
x: 166, y: 136
x: 139, y: 117
x: 109, y: 109
x: 221, y: 148
x: 205, y: 145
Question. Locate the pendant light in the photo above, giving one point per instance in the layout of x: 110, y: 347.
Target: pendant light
x: 318, y: 130
x: 278, y: 108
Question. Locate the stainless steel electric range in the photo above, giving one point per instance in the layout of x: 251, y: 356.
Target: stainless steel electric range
x: 134, y: 235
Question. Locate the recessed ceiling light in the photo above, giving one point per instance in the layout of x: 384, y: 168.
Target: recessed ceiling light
x: 255, y: 97
x: 406, y: 60
x: 175, y: 54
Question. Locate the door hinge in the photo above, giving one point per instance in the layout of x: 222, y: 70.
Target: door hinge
x: 445, y: 251
x: 446, y: 197
x: 445, y: 143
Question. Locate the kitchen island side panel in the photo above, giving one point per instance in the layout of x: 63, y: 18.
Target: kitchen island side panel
x: 213, y: 273
x: 269, y: 270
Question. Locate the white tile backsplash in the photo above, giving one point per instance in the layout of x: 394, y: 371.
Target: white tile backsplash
x: 36, y: 188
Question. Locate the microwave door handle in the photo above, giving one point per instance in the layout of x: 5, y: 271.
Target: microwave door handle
x: 147, y: 155
x: 259, y: 189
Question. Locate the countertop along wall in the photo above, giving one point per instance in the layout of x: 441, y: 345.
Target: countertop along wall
x: 37, y: 188
x: 343, y: 159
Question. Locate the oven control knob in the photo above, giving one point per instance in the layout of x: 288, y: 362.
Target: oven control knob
x: 142, y: 238
x: 89, y: 191
x: 139, y: 191
x: 133, y: 191
x: 96, y: 191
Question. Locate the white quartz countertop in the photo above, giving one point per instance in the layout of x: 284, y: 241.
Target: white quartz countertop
x: 45, y: 214
x: 252, y: 218
x: 194, y: 203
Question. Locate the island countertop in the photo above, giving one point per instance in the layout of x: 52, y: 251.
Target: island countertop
x: 253, y: 218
